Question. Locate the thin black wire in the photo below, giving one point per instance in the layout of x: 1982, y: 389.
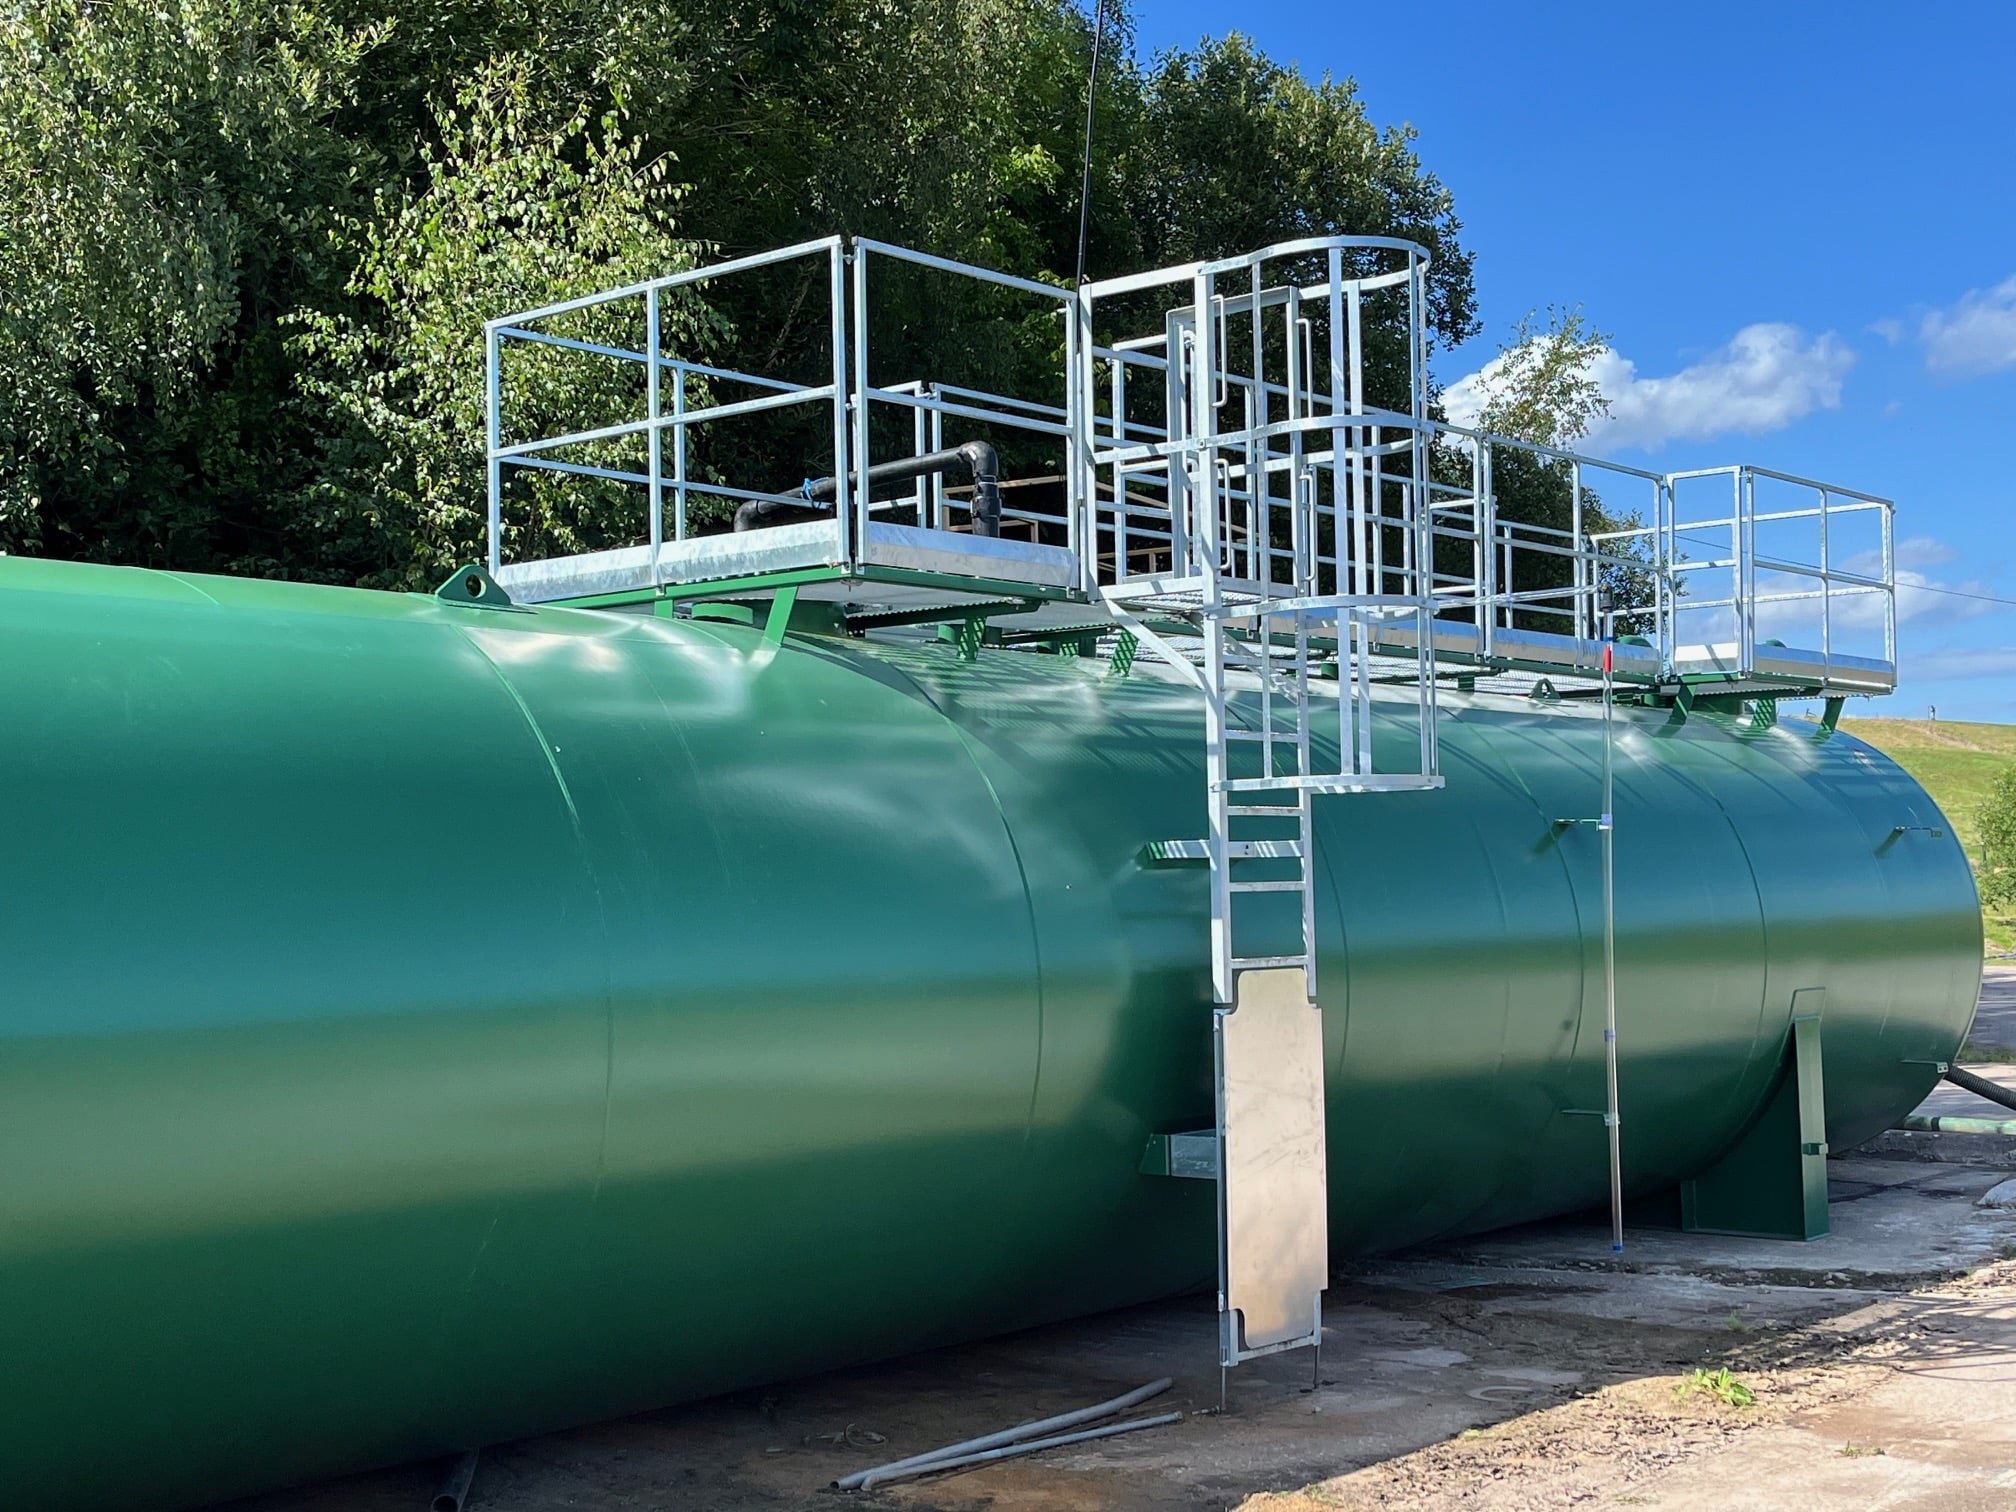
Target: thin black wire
x: 1091, y: 107
x: 1985, y: 598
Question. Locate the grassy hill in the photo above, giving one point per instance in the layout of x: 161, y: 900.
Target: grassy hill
x: 1955, y: 762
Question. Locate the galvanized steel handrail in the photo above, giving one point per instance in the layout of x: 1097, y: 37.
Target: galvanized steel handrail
x: 1390, y: 499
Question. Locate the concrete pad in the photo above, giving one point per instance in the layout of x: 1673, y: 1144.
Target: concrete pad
x: 1994, y: 1028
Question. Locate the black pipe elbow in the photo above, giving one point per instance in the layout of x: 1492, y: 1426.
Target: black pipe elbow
x: 986, y: 465
x: 760, y: 514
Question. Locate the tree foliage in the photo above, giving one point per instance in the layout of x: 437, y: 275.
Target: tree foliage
x: 1998, y: 843
x: 167, y: 177
x: 506, y: 217
x: 1542, y: 388
x: 246, y: 249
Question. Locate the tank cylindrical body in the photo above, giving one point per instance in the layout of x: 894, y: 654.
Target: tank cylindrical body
x: 432, y: 1024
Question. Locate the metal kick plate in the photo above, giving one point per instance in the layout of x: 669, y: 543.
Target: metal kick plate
x: 1273, y: 1209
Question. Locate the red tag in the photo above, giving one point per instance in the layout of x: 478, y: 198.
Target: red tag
x: 1606, y: 656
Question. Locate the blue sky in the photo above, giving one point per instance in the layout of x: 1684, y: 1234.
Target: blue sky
x: 1796, y: 222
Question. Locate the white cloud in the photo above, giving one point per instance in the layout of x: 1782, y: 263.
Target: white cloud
x: 1921, y: 598
x: 1856, y: 619
x: 1463, y: 401
x: 1766, y: 377
x: 1974, y: 335
x: 1924, y: 600
x: 1979, y: 661
x: 1918, y: 551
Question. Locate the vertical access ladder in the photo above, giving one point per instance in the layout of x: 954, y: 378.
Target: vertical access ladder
x: 1299, y: 540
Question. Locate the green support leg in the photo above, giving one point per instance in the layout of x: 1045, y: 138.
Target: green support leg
x: 967, y: 636
x: 1773, y: 1184
x: 1124, y: 647
x: 779, y: 620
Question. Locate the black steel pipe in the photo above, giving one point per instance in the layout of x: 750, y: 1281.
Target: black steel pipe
x: 1980, y: 1086
x: 978, y: 456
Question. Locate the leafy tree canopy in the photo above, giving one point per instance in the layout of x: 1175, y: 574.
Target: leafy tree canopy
x: 1998, y: 843
x: 1542, y: 388
x: 246, y: 248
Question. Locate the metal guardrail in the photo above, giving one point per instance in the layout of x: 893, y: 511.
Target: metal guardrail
x: 1309, y: 363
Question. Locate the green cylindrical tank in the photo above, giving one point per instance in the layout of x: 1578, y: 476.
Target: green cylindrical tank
x: 431, y: 1024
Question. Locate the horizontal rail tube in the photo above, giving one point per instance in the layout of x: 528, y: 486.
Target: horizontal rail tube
x: 670, y: 281
x: 666, y: 422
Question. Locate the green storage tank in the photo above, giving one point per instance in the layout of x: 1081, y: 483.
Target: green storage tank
x: 430, y: 1024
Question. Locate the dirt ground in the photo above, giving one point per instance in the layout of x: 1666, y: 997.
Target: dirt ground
x: 1907, y: 1402
x: 1526, y: 1370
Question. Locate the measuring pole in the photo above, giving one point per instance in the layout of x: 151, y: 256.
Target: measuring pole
x: 1608, y: 827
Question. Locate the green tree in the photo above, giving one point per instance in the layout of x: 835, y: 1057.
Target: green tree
x: 1233, y: 151
x: 1542, y: 388
x: 238, y: 332
x: 167, y: 176
x: 1998, y: 843
x: 507, y: 217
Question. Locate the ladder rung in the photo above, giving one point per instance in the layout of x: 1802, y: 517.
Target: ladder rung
x: 1261, y: 963
x: 1266, y: 887
x: 1261, y: 850
x: 1263, y: 810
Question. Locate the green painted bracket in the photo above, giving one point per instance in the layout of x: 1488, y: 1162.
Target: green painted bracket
x: 1773, y: 1184
x: 1691, y: 697
x: 472, y: 588
x: 1066, y: 640
x: 1192, y: 1156
x: 782, y: 613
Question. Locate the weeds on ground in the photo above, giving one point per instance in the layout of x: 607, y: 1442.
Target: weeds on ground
x: 1720, y: 1384
x: 1858, y: 1451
